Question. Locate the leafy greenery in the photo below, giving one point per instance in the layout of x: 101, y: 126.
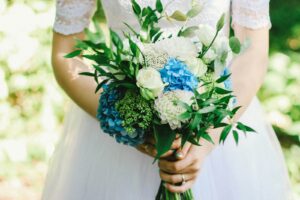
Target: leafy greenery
x: 136, y: 111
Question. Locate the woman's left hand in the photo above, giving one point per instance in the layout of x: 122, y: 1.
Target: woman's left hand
x: 185, y: 169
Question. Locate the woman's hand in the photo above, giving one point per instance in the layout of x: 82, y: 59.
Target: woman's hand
x: 180, y: 175
x: 148, y: 147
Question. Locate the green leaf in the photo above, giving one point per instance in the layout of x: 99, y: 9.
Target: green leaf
x: 134, y: 48
x: 235, y: 136
x: 136, y: 8
x: 188, y: 32
x: 223, y: 78
x: 116, y: 39
x: 159, y: 6
x: 207, y: 137
x: 73, y: 54
x: 87, y: 73
x: 195, y: 121
x: 235, y: 45
x: 157, y: 36
x: 185, y: 116
x: 244, y: 128
x: 196, y: 9
x: 225, y: 133
x: 233, y: 112
x: 221, y: 22
x: 207, y: 109
x: 164, y: 136
x: 219, y: 125
x: 126, y: 85
x: 131, y: 29
x: 178, y: 16
x: 183, y: 104
x: 81, y: 44
x: 193, y: 141
x: 185, y: 137
x: 146, y: 11
x: 219, y: 90
x: 99, y: 86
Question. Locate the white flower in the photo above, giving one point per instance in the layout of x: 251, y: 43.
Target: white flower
x: 206, y: 34
x: 209, y: 56
x: 154, y: 57
x: 224, y: 55
x: 221, y: 45
x: 177, y: 46
x: 218, y: 67
x: 149, y: 78
x: 168, y: 110
x: 195, y: 65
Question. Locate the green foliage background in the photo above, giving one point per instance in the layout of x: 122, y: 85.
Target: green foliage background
x: 32, y: 106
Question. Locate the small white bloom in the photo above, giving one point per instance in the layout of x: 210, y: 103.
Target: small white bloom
x: 169, y: 111
x: 195, y: 65
x: 177, y: 46
x: 210, y: 56
x: 206, y: 34
x: 221, y: 44
x: 150, y: 79
x: 154, y: 57
x: 218, y: 67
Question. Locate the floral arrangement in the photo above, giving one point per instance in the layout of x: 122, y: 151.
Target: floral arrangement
x: 155, y: 83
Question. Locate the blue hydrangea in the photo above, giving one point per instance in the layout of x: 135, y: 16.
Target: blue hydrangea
x: 228, y: 83
x: 110, y: 120
x: 178, y: 77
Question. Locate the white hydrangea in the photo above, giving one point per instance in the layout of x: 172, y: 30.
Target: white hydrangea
x: 154, y: 57
x: 177, y: 46
x: 168, y: 110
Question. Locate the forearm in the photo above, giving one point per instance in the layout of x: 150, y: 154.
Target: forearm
x: 249, y: 69
x: 79, y: 88
x: 248, y: 72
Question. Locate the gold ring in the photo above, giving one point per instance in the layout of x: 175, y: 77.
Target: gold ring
x: 183, y: 179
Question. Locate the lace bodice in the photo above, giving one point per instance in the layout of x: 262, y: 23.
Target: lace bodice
x: 72, y: 16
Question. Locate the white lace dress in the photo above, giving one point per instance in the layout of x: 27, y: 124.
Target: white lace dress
x: 90, y: 165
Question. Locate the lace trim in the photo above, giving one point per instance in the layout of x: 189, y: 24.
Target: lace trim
x: 253, y: 14
x: 73, y: 16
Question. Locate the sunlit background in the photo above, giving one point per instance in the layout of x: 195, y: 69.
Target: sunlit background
x: 32, y: 106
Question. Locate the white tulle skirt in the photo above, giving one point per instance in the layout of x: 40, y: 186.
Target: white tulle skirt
x: 90, y: 165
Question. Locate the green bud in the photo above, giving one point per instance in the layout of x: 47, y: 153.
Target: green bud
x: 146, y: 93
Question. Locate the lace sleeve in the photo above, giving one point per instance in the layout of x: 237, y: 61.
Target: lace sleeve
x: 252, y: 14
x: 73, y: 16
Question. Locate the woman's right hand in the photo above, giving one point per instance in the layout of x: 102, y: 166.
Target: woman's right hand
x: 148, y: 147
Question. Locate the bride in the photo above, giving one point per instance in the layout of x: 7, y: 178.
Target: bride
x: 88, y: 164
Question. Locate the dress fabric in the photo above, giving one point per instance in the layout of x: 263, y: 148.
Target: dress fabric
x: 89, y: 165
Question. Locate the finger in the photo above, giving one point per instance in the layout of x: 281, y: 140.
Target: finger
x: 168, y: 154
x: 150, y: 149
x: 174, y: 167
x: 193, y: 168
x: 147, y: 149
x: 176, y: 178
x: 180, y: 189
x: 176, y: 144
x: 182, y: 152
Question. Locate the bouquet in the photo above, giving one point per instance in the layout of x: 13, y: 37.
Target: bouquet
x: 162, y: 84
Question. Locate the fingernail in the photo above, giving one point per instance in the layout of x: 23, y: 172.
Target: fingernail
x: 164, y: 184
x: 179, y: 155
